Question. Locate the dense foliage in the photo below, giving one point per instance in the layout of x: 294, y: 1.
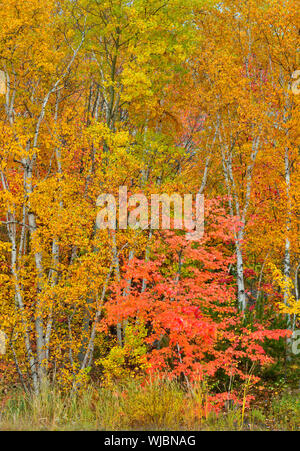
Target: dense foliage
x: 172, y: 96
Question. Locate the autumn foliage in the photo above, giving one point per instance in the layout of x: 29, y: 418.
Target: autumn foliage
x: 162, y: 97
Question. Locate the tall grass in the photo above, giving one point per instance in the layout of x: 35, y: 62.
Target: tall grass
x: 157, y: 405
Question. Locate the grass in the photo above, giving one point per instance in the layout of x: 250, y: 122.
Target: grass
x: 156, y: 406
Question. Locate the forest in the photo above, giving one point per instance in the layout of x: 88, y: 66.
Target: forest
x: 114, y: 316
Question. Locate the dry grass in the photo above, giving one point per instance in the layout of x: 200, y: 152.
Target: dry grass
x: 156, y: 406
